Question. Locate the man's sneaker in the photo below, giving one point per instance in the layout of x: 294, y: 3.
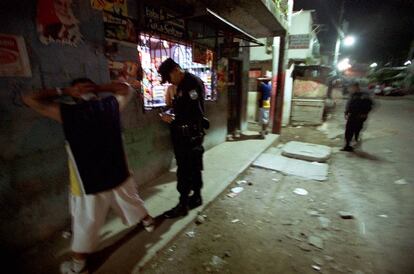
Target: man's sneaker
x: 195, y: 201
x: 347, y: 148
x: 148, y: 223
x: 71, y: 267
x: 178, y: 211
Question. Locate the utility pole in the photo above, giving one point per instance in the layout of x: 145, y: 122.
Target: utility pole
x: 340, y: 34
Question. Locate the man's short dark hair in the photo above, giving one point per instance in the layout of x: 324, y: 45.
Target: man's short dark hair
x: 165, y: 68
x: 82, y: 80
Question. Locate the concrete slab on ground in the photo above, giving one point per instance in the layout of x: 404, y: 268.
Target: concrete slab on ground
x: 306, y: 151
x: 272, y: 159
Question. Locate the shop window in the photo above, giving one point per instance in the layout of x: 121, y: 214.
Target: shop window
x: 153, y: 51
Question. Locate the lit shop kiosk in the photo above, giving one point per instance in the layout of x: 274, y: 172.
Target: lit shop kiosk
x: 153, y: 51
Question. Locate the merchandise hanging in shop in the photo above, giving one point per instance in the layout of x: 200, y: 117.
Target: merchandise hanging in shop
x: 154, y: 50
x: 56, y: 22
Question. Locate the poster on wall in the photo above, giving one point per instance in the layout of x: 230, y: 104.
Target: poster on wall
x: 14, y: 61
x: 120, y: 28
x: 156, y: 20
x: 118, y: 7
x: 126, y: 71
x: 56, y: 22
x: 202, y: 55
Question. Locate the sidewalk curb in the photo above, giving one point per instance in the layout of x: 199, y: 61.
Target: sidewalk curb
x: 193, y: 214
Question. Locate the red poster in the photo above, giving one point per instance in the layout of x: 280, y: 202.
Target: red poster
x: 14, y: 61
x: 56, y: 22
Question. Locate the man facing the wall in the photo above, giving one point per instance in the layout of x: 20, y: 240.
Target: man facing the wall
x: 98, y: 170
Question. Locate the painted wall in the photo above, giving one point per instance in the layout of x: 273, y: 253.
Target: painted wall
x: 33, y: 168
x: 287, y: 96
x: 259, y: 53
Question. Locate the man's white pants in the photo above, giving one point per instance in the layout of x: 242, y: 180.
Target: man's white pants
x: 89, y: 213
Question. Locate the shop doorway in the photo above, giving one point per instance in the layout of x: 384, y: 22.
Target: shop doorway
x: 234, y: 96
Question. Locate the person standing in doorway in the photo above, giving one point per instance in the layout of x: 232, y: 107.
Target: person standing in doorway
x: 187, y: 124
x: 356, y: 113
x: 265, y: 90
x: 98, y: 170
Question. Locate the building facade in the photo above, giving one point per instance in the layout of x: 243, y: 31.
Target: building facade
x: 105, y: 43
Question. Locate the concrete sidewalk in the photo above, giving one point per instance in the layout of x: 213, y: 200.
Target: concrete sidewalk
x: 126, y: 250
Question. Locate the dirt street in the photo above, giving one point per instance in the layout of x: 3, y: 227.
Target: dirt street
x: 269, y: 229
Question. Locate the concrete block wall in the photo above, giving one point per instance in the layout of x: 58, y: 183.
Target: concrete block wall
x: 33, y: 167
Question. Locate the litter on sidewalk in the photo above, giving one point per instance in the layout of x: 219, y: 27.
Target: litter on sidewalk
x: 190, y: 234
x: 235, y: 191
x: 217, y: 262
x: 300, y: 191
x: 345, y: 215
x: 235, y: 221
x: 317, y: 268
x: 66, y: 234
x: 401, y: 182
x: 241, y: 182
x: 200, y: 219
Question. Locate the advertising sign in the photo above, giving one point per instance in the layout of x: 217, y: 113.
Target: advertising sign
x: 299, y: 41
x: 157, y: 20
x: 14, y: 61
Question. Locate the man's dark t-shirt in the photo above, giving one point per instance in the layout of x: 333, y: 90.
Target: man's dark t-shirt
x: 93, y: 132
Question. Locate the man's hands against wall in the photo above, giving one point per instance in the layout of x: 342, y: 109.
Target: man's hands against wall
x: 80, y: 89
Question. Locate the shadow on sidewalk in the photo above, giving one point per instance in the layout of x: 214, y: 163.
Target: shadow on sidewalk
x: 368, y: 156
x: 149, y: 189
x: 138, y: 234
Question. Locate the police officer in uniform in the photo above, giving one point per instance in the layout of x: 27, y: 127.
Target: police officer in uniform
x: 187, y: 123
x: 356, y: 113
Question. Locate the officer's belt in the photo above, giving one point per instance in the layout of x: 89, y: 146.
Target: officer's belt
x: 188, y: 130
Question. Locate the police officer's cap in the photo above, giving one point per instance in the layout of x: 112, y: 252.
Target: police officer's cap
x: 165, y: 68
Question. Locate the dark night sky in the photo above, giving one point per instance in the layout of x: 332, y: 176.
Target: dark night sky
x: 384, y: 28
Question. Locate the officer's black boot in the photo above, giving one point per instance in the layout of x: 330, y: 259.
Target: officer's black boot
x: 195, y: 201
x: 179, y: 210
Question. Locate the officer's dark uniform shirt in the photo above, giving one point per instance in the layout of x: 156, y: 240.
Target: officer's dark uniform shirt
x: 188, y: 104
x: 360, y: 103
